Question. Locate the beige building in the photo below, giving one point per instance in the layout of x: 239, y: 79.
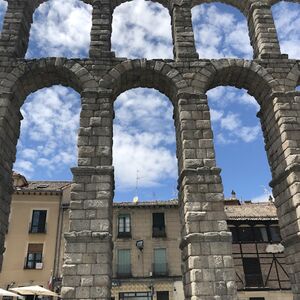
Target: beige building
x: 35, y: 228
x: 146, y: 236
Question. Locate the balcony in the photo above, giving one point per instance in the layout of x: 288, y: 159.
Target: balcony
x: 160, y: 269
x: 124, y: 271
x: 37, y: 229
x: 159, y: 232
x: 33, y: 264
x: 124, y: 235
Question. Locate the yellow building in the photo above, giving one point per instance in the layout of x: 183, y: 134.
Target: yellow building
x: 146, y: 236
x: 35, y: 227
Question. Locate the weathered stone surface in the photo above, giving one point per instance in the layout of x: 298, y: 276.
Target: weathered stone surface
x: 206, y: 243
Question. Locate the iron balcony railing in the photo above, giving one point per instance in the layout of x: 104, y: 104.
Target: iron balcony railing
x: 37, y: 229
x: 159, y: 232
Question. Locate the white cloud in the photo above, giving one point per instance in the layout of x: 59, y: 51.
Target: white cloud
x: 287, y: 22
x: 231, y: 122
x: 230, y: 111
x: 142, y: 29
x: 248, y: 133
x: 24, y: 166
x: 264, y: 197
x: 144, y: 139
x: 219, y: 33
x: 215, y: 115
x: 61, y: 29
x: 49, y: 131
x: 224, y: 96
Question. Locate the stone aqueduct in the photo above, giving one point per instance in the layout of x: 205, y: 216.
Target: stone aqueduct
x: 206, y: 243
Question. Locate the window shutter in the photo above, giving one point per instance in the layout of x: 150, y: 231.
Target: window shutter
x: 35, y: 248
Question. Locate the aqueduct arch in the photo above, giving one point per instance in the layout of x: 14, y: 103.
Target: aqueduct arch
x: 206, y: 242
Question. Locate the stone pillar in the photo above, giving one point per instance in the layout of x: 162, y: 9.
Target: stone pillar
x: 101, y: 30
x: 182, y: 31
x: 9, y: 133
x: 87, y: 267
x: 207, y: 263
x: 280, y: 115
x: 16, y: 27
x: 262, y: 31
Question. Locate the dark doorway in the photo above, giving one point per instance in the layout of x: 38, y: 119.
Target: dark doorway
x: 162, y: 295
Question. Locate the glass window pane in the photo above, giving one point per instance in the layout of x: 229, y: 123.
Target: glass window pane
x: 160, y: 256
x: 127, y: 224
x: 275, y: 233
x: 124, y: 261
x: 246, y: 234
x: 260, y: 233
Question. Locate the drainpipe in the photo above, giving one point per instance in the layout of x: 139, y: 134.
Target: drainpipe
x: 57, y: 255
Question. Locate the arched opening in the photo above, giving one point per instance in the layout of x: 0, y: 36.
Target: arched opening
x: 132, y: 30
x: 144, y: 147
x: 298, y: 88
x: 287, y: 22
x: 47, y: 146
x: 60, y: 30
x: 3, y: 7
x: 238, y: 143
x: 220, y: 31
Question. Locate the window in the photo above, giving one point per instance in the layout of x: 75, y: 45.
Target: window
x: 135, y: 296
x: 38, y: 221
x: 158, y: 229
x: 162, y: 295
x: 124, y: 263
x: 275, y: 233
x: 260, y: 233
x: 160, y: 262
x: 34, y: 256
x: 257, y: 298
x: 246, y: 234
x: 253, y: 277
x: 124, y: 226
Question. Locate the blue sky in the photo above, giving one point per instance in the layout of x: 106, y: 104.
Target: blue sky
x: 144, y: 138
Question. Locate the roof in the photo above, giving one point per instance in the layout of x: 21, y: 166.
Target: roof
x: 252, y: 211
x: 143, y: 204
x: 43, y: 186
x: 244, y: 211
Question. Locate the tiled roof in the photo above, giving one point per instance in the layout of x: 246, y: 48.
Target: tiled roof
x: 44, y: 186
x: 251, y: 211
x: 143, y: 204
x: 245, y: 211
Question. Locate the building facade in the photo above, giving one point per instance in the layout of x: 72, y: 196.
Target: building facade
x: 146, y: 237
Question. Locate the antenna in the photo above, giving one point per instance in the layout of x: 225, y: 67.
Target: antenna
x: 136, y: 197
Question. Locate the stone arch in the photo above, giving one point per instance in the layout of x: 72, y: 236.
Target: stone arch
x: 148, y: 74
x: 238, y: 73
x: 226, y: 34
x: 164, y: 3
x: 40, y: 40
x: 240, y: 5
x: 37, y: 3
x: 31, y: 76
x: 150, y: 44
x: 293, y: 78
x: 273, y: 2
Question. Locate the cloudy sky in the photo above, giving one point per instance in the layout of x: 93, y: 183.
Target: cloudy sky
x: 144, y: 139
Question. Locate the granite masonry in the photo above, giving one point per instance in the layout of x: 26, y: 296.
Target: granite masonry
x: 272, y: 78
